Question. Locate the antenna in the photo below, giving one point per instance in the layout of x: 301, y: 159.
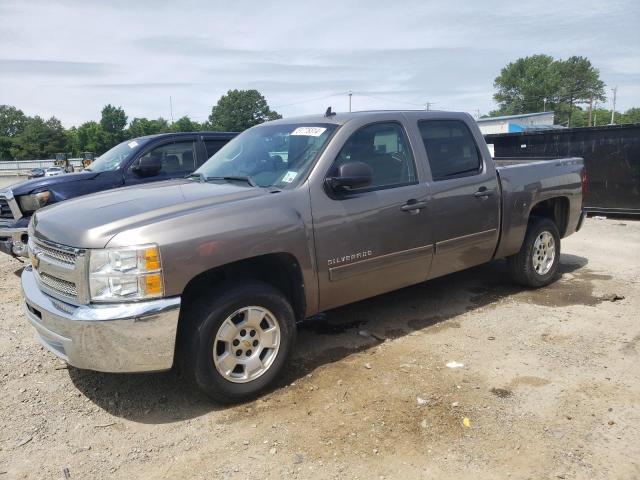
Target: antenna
x: 329, y: 113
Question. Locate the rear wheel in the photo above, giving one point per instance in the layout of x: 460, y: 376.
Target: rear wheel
x: 235, y: 345
x: 536, y: 264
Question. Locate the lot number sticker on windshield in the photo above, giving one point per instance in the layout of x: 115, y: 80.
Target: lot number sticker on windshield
x: 289, y: 177
x: 309, y: 131
x: 132, y: 144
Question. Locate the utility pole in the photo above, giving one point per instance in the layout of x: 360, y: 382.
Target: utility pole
x: 477, y: 113
x: 544, y: 104
x: 613, y: 111
x: 590, y: 108
x: 171, y: 108
x: 428, y: 105
x: 350, y: 95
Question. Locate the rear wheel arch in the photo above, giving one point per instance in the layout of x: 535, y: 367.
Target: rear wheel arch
x: 555, y: 209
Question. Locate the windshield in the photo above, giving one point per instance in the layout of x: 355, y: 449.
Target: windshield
x: 275, y: 155
x: 112, y: 159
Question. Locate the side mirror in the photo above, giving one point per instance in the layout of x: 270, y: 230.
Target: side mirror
x: 147, y: 166
x: 349, y: 176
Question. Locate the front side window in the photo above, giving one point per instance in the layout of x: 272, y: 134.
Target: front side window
x: 175, y: 158
x: 213, y: 145
x: 270, y: 155
x: 451, y: 149
x: 382, y: 146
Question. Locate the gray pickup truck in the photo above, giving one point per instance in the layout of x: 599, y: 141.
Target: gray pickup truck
x: 290, y: 218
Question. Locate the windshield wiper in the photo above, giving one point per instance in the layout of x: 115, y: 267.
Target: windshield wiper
x: 239, y: 178
x: 198, y: 175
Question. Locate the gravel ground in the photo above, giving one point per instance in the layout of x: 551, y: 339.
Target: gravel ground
x: 550, y: 388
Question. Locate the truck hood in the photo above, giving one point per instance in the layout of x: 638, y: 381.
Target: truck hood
x: 93, y: 220
x: 44, y: 183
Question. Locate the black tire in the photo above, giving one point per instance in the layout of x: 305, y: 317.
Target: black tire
x: 201, y: 324
x: 521, y: 264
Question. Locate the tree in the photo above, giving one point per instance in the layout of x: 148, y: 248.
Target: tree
x: 113, y: 122
x: 39, y: 139
x: 12, y: 123
x: 139, y: 127
x: 185, y: 124
x: 92, y: 138
x: 239, y: 110
x: 526, y: 85
x: 580, y: 83
x: 523, y: 85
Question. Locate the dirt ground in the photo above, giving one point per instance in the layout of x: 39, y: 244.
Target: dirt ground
x: 550, y: 387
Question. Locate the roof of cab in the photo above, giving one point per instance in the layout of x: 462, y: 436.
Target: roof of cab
x: 226, y: 135
x: 340, y: 118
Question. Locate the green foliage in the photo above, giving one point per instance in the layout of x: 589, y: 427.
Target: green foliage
x: 12, y: 123
x: 39, y: 139
x: 523, y: 86
x: 185, y: 124
x: 239, y: 110
x: 139, y: 127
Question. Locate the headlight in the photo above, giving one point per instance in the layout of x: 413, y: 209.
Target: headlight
x: 31, y: 203
x: 132, y: 273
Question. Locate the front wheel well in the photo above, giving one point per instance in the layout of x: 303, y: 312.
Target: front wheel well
x: 555, y: 209
x: 280, y: 270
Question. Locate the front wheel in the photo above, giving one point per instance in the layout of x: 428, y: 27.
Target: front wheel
x: 536, y: 264
x: 235, y: 345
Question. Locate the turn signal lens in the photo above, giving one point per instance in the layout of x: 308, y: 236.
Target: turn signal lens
x: 152, y: 259
x: 153, y: 285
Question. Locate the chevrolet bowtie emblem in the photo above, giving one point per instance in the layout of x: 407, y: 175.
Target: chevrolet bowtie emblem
x: 35, y: 260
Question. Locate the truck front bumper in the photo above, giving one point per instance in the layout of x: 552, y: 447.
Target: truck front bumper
x: 127, y: 337
x: 11, y: 241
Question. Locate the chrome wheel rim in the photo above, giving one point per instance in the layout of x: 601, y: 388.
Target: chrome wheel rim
x: 246, y: 344
x: 544, y: 253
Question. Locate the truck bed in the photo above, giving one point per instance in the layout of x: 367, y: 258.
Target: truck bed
x: 529, y: 182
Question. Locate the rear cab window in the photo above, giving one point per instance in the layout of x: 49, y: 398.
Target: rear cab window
x: 451, y: 149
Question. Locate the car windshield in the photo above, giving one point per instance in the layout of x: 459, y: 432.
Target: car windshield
x: 270, y: 155
x: 112, y: 159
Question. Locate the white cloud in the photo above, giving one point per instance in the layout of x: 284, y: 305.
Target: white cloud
x: 69, y: 58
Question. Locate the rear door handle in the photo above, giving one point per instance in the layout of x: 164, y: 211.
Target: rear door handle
x: 413, y: 206
x: 483, y: 192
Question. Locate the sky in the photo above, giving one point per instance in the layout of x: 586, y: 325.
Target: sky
x: 69, y: 58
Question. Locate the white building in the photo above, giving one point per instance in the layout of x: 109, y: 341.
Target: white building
x: 516, y: 123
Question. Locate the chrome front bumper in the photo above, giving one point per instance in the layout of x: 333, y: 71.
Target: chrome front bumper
x: 127, y: 337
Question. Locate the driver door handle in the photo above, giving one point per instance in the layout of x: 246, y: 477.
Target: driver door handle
x: 413, y: 206
x: 483, y: 192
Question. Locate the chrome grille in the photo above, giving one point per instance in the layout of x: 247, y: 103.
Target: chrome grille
x: 5, y: 209
x: 62, y: 287
x: 56, y: 254
x: 60, y: 270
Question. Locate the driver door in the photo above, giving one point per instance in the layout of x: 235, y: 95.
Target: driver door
x: 374, y: 239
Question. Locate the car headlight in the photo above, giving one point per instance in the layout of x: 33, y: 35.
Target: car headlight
x: 31, y: 203
x: 132, y: 273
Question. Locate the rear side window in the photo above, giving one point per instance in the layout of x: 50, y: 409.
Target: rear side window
x: 451, y: 149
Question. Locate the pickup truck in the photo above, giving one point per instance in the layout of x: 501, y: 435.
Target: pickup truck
x: 139, y: 160
x: 292, y: 217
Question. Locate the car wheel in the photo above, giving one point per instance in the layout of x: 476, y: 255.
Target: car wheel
x: 235, y: 344
x: 536, y: 264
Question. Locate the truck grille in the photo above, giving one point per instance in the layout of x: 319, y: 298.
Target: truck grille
x: 56, y: 254
x: 60, y: 270
x: 68, y: 289
x: 5, y: 209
